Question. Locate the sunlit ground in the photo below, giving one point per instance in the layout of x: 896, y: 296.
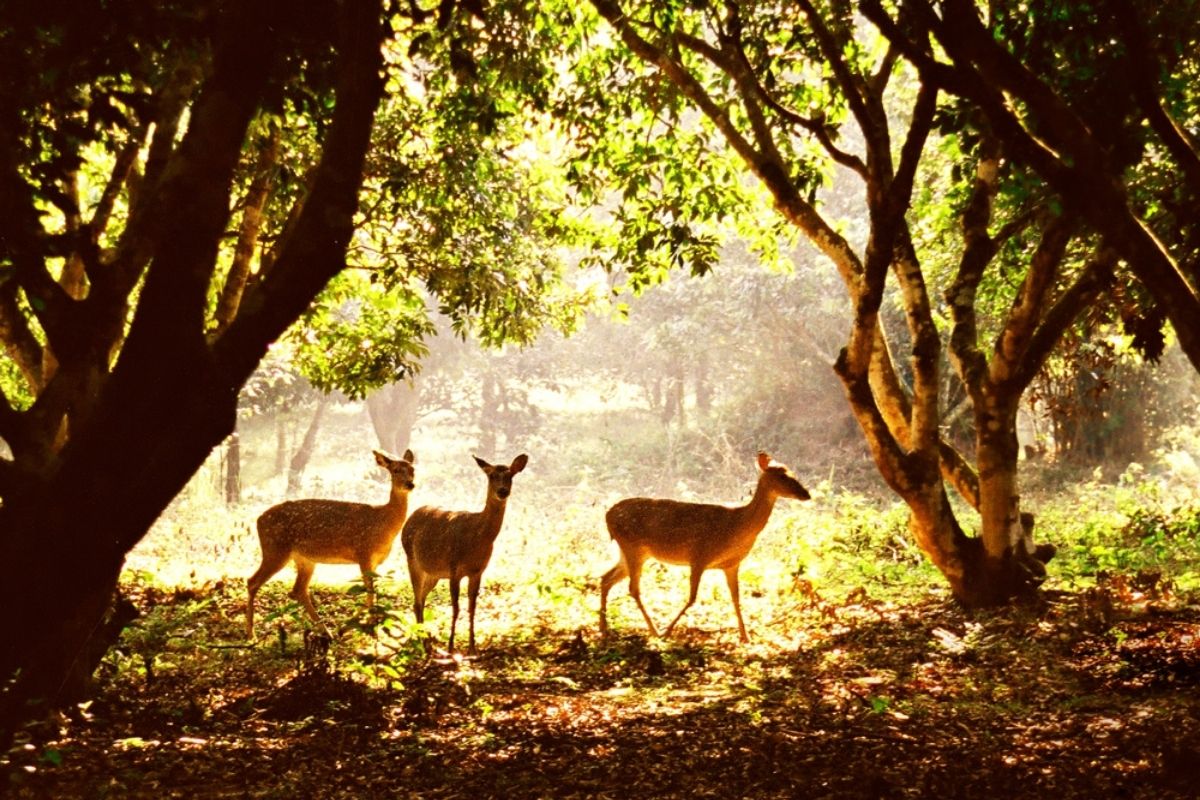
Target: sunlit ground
x: 861, y: 678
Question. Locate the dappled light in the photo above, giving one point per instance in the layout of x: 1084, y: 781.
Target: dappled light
x: 934, y: 700
x: 621, y: 398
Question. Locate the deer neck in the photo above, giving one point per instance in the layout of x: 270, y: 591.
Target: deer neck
x: 754, y: 515
x: 492, y: 517
x: 397, y: 505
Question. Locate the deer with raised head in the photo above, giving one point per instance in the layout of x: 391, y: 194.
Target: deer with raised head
x: 311, y: 532
x: 701, y: 536
x: 457, y: 544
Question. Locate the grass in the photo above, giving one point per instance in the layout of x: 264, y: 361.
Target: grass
x: 861, y: 679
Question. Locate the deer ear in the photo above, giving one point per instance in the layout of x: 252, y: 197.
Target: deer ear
x: 483, y: 465
x: 381, y: 459
x: 518, y: 464
x: 409, y: 457
x: 764, y: 461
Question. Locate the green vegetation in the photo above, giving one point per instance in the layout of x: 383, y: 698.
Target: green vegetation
x: 856, y: 649
x: 940, y: 258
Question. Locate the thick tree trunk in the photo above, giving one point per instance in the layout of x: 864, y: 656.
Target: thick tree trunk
x: 1012, y: 564
x: 171, y: 398
x: 115, y: 479
x: 997, y: 454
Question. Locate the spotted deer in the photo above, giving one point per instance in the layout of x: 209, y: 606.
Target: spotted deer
x: 311, y: 532
x: 457, y: 544
x: 701, y: 536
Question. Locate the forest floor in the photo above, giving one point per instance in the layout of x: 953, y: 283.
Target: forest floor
x: 1090, y: 694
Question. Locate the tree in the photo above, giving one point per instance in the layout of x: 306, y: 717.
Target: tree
x: 104, y: 445
x: 794, y: 93
x: 133, y: 319
x: 1089, y: 96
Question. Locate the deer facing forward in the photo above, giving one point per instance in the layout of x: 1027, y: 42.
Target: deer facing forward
x: 457, y: 544
x: 699, y: 535
x: 311, y: 532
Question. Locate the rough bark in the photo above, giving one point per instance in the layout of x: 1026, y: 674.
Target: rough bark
x: 171, y: 398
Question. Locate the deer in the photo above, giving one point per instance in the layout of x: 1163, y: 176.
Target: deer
x: 457, y: 544
x: 701, y: 536
x: 310, y: 532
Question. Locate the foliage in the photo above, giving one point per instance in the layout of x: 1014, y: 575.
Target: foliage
x: 930, y: 696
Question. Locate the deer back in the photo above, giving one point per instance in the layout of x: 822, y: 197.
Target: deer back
x: 329, y: 531
x: 677, y: 532
x: 440, y: 542
x: 336, y: 531
x: 447, y: 543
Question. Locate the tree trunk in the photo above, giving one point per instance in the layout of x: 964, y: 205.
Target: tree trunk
x: 489, y: 410
x: 281, y: 442
x: 304, y: 452
x: 115, y: 478
x: 393, y: 411
x: 171, y: 397
x: 233, y: 470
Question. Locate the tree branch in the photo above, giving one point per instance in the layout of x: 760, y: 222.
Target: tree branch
x: 1096, y: 277
x: 19, y: 342
x: 769, y: 169
x: 1145, y: 88
x: 738, y: 66
x: 1027, y: 305
x: 315, y: 250
x: 256, y: 199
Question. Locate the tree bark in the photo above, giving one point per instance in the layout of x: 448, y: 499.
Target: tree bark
x: 171, y: 399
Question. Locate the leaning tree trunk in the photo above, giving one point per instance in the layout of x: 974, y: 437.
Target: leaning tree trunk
x: 115, y: 479
x: 304, y: 452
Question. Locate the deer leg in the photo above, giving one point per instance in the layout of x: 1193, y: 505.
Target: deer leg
x: 368, y: 576
x: 472, y: 594
x: 634, y: 566
x: 300, y: 593
x: 694, y: 579
x: 422, y: 584
x: 419, y: 589
x: 272, y: 562
x: 731, y: 578
x: 610, y: 578
x: 454, y: 587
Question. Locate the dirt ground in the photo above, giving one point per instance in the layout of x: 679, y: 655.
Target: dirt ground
x: 1088, y: 695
